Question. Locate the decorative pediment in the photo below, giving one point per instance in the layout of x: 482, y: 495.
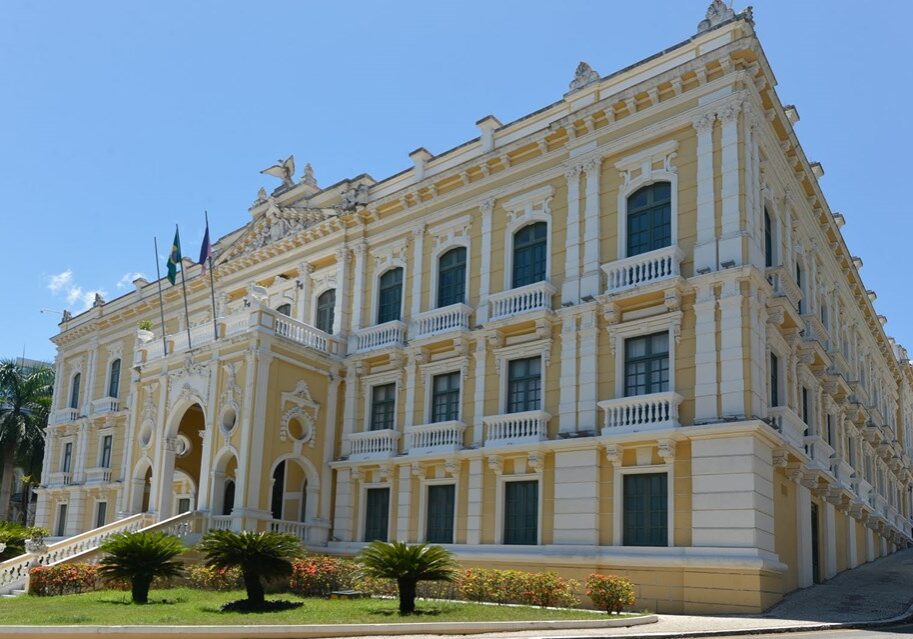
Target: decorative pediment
x: 299, y: 420
x: 390, y: 254
x: 452, y: 232
x: 274, y: 224
x: 189, y: 383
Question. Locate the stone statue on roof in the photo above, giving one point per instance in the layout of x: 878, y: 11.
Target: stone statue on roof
x: 583, y: 76
x: 717, y: 13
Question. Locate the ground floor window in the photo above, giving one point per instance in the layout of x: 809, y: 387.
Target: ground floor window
x: 183, y: 505
x: 377, y: 513
x: 645, y: 516
x: 101, y: 514
x: 439, y: 523
x: 61, y: 519
x: 521, y: 512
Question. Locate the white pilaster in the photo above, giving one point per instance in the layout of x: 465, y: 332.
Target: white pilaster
x: 353, y: 370
x: 412, y: 363
x: 567, y: 393
x: 418, y: 258
x: 329, y: 442
x: 705, y: 249
x: 485, y: 269
x: 731, y: 236
x: 478, y: 398
x: 705, y: 354
x: 304, y: 293
x: 358, y: 293
x: 577, y: 497
x: 570, y: 288
x: 732, y: 373
x: 588, y: 381
x: 404, y: 503
x: 804, y: 536
x: 830, y: 540
x: 757, y: 340
x: 340, y: 309
x: 342, y: 516
x: 852, y: 555
x: 589, y: 281
x: 474, y: 503
x: 75, y: 512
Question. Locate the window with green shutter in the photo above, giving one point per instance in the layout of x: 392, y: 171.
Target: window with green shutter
x: 530, y: 254
x: 451, y: 278
x: 389, y: 306
x: 521, y: 512
x: 646, y: 506
x: 439, y: 524
x: 524, y: 385
x: 650, y: 218
x: 377, y: 513
x: 383, y: 406
x: 326, y: 309
x: 445, y: 399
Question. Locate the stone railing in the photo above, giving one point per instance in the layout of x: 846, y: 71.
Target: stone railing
x: 789, y: 424
x: 220, y: 522
x: 60, y: 478
x: 440, y: 320
x: 784, y: 284
x: 98, y: 475
x: 64, y: 416
x: 815, y: 331
x: 433, y: 438
x: 525, y: 299
x: 863, y: 490
x: 630, y: 272
x: 297, y: 528
x: 640, y: 413
x: 105, y: 405
x: 200, y: 335
x: 14, y: 571
x: 305, y: 335
x: 820, y: 453
x: 373, y: 444
x: 527, y: 427
x: 386, y: 335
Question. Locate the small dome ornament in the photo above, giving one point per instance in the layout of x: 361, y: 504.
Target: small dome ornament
x: 584, y: 76
x: 717, y: 13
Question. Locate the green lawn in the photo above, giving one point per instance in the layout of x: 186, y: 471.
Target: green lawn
x: 184, y: 606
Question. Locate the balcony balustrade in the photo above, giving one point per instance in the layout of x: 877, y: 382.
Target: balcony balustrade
x: 435, y: 438
x: 220, y: 522
x: 528, y: 427
x: 454, y: 317
x: 789, y: 424
x: 64, y: 416
x: 640, y: 413
x: 306, y: 335
x: 521, y: 300
x: 105, y: 405
x: 646, y: 268
x: 819, y: 452
x: 98, y: 475
x: 815, y: 331
x: 386, y: 335
x: 60, y: 478
x: 784, y: 284
x: 863, y: 490
x: 297, y: 528
x: 373, y: 444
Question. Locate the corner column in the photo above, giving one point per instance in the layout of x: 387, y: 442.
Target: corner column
x: 570, y: 288
x: 589, y: 281
x: 567, y: 393
x: 731, y: 235
x: 418, y: 244
x: 732, y: 375
x: 589, y: 373
x: 474, y: 501
x: 705, y: 250
x: 340, y: 309
x: 705, y: 354
x: 485, y: 269
x: 304, y: 291
x: 360, y: 249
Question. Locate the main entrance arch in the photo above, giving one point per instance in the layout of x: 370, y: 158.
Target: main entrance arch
x: 182, y: 457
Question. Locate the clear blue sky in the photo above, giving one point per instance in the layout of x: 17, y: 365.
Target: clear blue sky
x: 118, y: 119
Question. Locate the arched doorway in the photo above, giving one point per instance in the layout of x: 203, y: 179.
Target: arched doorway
x: 295, y: 491
x: 140, y: 486
x: 224, y: 483
x: 181, y: 460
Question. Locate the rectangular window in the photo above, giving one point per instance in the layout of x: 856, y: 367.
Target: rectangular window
x: 524, y: 385
x: 106, y: 443
x: 439, y: 523
x: 799, y: 284
x: 67, y: 457
x: 805, y: 409
x: 390, y: 296
x: 114, y: 382
x: 101, y: 514
x: 647, y: 364
x: 183, y: 505
x: 445, y: 399
x: 768, y: 241
x: 61, y: 520
x: 521, y: 512
x: 646, y: 507
x: 830, y: 432
x: 383, y: 406
x: 774, y: 380
x: 377, y: 513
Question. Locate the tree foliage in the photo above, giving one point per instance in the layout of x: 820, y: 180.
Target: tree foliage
x: 139, y: 557
x: 407, y: 564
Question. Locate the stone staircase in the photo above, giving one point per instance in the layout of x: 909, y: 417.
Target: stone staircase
x: 83, y: 548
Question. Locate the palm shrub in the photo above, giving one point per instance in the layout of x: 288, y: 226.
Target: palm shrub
x: 259, y: 555
x: 407, y: 565
x: 139, y: 557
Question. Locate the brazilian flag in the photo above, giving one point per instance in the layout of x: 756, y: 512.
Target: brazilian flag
x: 175, y: 258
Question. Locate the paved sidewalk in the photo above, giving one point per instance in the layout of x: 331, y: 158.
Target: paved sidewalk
x: 874, y: 592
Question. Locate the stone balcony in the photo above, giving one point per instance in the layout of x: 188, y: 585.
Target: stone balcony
x: 784, y: 285
x: 64, y: 416
x: 373, y: 444
x: 814, y: 331
x: 60, y: 478
x: 386, y: 335
x: 440, y: 321
x: 528, y: 427
x: 655, y: 411
x: 819, y: 453
x: 435, y: 438
x: 98, y: 475
x: 643, y: 269
x: 789, y: 424
x: 307, y: 335
x: 105, y: 405
x: 522, y: 300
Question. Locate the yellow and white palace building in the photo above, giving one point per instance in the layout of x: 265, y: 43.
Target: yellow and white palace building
x: 622, y: 333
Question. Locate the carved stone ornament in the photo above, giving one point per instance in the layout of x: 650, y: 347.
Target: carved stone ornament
x: 354, y: 197
x: 284, y: 170
x: 304, y: 410
x: 276, y: 223
x: 584, y: 76
x: 189, y: 383
x: 717, y: 13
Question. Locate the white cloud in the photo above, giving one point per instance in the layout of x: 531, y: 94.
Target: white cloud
x: 77, y: 299
x: 127, y: 280
x: 57, y: 283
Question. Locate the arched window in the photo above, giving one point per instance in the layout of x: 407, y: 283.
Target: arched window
x: 768, y: 240
x: 304, y: 501
x: 74, y: 391
x: 228, y: 497
x: 451, y: 277
x: 284, y: 309
x: 326, y: 310
x: 278, y: 490
x: 649, y: 218
x: 114, y: 379
x: 391, y: 296
x: 530, y: 254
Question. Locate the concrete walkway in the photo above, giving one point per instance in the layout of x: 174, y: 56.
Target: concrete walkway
x: 880, y: 590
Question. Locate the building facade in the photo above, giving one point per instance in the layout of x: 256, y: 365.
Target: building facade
x: 621, y: 333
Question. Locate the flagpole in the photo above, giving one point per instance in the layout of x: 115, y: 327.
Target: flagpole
x: 158, y: 274
x: 184, y: 290
x: 212, y: 281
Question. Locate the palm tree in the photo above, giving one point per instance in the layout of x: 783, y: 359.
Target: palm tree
x: 140, y: 557
x: 408, y: 565
x: 25, y: 399
x: 259, y: 555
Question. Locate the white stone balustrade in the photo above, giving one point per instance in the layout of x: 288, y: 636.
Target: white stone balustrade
x: 784, y: 284
x: 815, y: 331
x: 525, y: 299
x: 527, y: 427
x: 220, y: 522
x: 98, y: 475
x: 60, y: 478
x: 105, y: 405
x: 863, y: 490
x: 386, y: 335
x: 305, y: 334
x: 373, y: 444
x: 640, y: 412
x: 297, y: 528
x: 789, y: 424
x: 819, y: 452
x: 64, y: 416
x: 440, y: 320
x: 435, y: 438
x: 638, y: 270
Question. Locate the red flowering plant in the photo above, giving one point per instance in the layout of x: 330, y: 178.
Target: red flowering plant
x: 319, y: 575
x: 63, y: 579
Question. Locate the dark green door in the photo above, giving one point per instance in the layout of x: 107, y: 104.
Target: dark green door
x: 816, y: 562
x: 646, y: 510
x: 521, y: 512
x: 377, y: 514
x: 439, y: 525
